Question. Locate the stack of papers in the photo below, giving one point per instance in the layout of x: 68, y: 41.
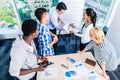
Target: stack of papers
x: 68, y: 28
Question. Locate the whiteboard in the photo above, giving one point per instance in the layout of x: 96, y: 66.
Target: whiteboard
x: 74, y: 12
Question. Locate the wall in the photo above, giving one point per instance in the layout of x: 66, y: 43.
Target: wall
x: 113, y: 34
x: 74, y: 12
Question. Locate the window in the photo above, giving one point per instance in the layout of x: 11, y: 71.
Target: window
x: 14, y: 12
x: 26, y: 8
x: 23, y: 9
x: 8, y: 19
x: 103, y: 9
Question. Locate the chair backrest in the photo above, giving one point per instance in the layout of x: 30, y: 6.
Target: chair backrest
x: 105, y: 29
x: 37, y: 46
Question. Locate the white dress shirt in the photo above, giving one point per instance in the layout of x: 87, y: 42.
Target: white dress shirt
x: 85, y: 32
x: 23, y: 56
x: 53, y: 23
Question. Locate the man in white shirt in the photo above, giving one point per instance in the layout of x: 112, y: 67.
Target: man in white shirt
x: 55, y: 19
x: 24, y: 59
x: 54, y: 15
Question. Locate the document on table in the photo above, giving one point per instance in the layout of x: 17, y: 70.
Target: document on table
x: 79, y: 71
x: 49, y: 73
x: 68, y: 28
x: 91, y: 75
x: 76, y: 72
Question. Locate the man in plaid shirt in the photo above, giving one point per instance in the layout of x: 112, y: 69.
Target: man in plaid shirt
x: 46, y: 38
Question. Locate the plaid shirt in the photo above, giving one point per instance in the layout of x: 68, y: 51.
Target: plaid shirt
x: 44, y: 39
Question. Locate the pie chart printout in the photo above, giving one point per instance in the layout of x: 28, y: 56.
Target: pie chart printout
x: 70, y: 73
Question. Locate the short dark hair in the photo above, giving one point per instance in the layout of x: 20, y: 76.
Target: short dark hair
x: 29, y: 26
x: 39, y: 12
x: 61, y: 6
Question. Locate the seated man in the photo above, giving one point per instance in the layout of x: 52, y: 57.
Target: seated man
x: 24, y: 59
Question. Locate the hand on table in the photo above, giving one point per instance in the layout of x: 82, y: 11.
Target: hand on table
x: 41, y: 68
x: 80, y: 52
x: 106, y: 76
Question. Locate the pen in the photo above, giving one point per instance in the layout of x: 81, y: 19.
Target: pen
x: 64, y: 66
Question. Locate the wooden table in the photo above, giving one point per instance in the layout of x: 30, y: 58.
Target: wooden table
x: 61, y: 59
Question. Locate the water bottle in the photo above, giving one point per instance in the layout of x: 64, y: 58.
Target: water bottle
x: 71, y: 60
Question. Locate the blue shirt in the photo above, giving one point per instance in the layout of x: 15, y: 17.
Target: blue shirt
x: 44, y: 39
x: 105, y: 54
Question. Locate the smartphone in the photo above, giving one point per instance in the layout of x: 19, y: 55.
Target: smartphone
x: 90, y: 62
x: 49, y: 63
x: 45, y: 63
